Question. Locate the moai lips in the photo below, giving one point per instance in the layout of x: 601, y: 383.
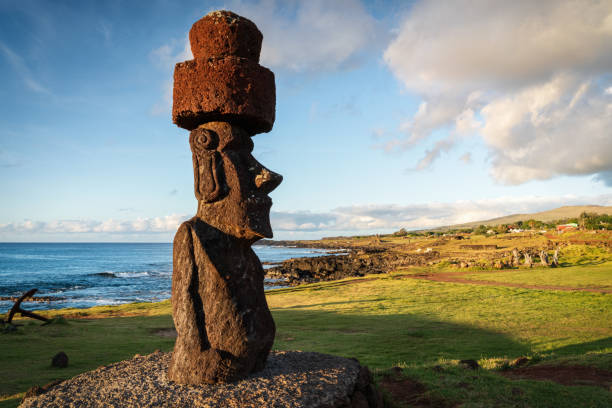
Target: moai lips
x: 223, y: 96
x: 224, y: 81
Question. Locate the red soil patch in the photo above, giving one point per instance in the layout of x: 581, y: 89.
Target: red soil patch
x: 566, y: 375
x: 405, y: 391
x: 453, y: 278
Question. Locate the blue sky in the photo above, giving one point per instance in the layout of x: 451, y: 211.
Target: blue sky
x: 389, y: 114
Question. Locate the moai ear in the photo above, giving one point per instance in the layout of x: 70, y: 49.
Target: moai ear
x: 208, y: 174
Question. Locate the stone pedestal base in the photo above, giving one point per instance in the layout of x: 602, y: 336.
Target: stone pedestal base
x: 290, y: 379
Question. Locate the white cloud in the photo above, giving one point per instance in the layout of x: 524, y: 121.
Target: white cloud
x: 466, y: 157
x: 533, y: 78
x: 22, y: 69
x: 384, y: 218
x: 348, y: 220
x: 168, y: 223
x: 563, y: 126
x: 165, y: 57
x: 164, y: 105
x: 431, y: 155
x: 315, y: 35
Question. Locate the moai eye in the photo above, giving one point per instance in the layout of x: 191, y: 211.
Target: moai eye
x: 203, y: 139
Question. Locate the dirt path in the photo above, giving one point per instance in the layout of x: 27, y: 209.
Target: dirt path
x: 566, y: 375
x: 454, y: 277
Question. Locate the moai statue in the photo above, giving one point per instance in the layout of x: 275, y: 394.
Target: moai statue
x: 544, y: 258
x: 516, y: 257
x: 555, y: 260
x: 528, y: 261
x: 223, y: 97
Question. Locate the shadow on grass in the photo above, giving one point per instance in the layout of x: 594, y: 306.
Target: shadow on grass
x: 381, y: 341
x: 586, y: 347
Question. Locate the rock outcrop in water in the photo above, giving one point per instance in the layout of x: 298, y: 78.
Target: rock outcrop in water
x: 224, y: 97
x: 332, y: 267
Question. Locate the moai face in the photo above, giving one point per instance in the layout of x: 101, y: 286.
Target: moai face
x: 231, y: 186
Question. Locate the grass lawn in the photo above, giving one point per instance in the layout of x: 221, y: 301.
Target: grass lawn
x: 384, y: 321
x: 591, y: 277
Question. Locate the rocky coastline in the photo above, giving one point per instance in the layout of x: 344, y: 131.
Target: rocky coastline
x: 353, y: 262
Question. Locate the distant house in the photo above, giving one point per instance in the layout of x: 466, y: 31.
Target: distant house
x: 515, y: 230
x: 567, y: 227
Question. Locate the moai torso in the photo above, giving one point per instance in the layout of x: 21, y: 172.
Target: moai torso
x: 223, y: 96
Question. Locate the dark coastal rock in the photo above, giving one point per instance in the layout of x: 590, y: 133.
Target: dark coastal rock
x: 334, y: 267
x: 60, y: 360
x: 222, y: 33
x: 224, y: 328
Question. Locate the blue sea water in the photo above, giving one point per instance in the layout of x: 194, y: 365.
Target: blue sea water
x: 90, y: 274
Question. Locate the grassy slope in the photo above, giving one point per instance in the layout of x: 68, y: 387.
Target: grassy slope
x: 545, y: 216
x: 592, y: 277
x: 383, y: 321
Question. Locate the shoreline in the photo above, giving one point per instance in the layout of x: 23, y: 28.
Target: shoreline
x: 107, y: 282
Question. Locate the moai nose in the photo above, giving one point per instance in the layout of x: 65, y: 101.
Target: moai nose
x: 267, y: 180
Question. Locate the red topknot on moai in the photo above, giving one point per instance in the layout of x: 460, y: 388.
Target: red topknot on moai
x: 223, y: 97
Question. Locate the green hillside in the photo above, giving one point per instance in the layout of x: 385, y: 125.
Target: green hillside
x: 570, y: 211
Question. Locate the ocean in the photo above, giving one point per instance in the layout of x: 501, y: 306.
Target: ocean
x: 90, y: 274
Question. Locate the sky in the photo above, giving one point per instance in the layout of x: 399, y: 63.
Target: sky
x: 389, y: 114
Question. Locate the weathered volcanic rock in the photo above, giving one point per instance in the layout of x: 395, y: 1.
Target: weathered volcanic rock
x: 223, y: 33
x: 290, y: 379
x: 332, y: 267
x: 230, y: 89
x: 60, y: 360
x: 225, y: 329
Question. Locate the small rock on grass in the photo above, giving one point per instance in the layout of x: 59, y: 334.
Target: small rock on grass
x: 60, y: 360
x: 519, y: 362
x: 473, y: 364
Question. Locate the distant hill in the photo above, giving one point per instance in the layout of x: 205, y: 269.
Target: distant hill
x: 570, y: 211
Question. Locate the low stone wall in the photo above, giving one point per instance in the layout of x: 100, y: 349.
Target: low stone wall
x: 478, y: 247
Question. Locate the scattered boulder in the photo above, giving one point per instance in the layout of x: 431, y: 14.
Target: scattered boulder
x: 469, y: 363
x: 60, y: 360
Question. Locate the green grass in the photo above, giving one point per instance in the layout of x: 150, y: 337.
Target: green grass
x: 384, y: 321
x: 592, y: 277
x: 27, y: 353
x: 404, y: 320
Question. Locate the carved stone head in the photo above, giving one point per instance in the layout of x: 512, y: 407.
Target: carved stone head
x: 231, y: 186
